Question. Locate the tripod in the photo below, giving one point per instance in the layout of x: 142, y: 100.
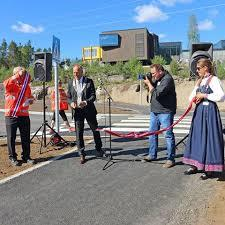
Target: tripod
x: 45, y: 124
x: 182, y: 141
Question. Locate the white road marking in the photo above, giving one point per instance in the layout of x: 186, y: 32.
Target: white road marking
x: 132, y: 129
x: 140, y: 123
x: 144, y: 125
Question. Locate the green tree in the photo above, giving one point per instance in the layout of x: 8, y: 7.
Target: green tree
x: 106, y: 69
x: 220, y: 70
x: 18, y: 59
x: 132, y: 68
x: 158, y: 59
x: 5, y: 73
x: 119, y: 68
x: 3, y: 54
x: 27, y: 52
x: 184, y: 71
x: 38, y: 50
x: 12, y: 54
x: 193, y: 33
x: 174, y: 67
x: 92, y: 69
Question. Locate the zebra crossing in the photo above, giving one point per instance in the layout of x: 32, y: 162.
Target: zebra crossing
x: 62, y: 128
x: 140, y: 123
x: 136, y: 123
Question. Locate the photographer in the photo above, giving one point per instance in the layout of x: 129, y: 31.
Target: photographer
x: 63, y: 105
x: 163, y: 108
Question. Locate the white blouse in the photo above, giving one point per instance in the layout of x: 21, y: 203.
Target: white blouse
x: 216, y: 86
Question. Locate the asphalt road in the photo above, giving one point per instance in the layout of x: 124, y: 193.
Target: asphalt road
x: 127, y: 191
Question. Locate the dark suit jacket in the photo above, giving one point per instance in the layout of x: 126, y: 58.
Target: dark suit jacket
x: 88, y: 95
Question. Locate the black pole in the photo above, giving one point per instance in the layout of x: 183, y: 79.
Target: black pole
x: 44, y: 116
x: 110, y: 125
x: 110, y: 119
x: 182, y: 141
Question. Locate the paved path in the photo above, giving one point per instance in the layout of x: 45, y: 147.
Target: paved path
x: 126, y: 192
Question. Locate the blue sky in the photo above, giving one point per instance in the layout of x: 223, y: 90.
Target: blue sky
x: 78, y: 23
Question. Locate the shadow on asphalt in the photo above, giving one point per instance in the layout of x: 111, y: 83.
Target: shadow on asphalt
x: 120, y: 152
x: 220, y: 176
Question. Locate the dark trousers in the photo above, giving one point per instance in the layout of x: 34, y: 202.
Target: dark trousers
x: 23, y: 123
x: 79, y: 125
x: 62, y: 114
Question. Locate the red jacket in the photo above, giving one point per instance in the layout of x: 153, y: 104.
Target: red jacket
x: 13, y: 86
x: 63, y: 105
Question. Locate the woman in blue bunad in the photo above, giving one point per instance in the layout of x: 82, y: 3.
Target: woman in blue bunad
x: 205, y: 146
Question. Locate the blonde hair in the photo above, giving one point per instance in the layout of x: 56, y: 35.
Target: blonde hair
x: 208, y: 63
x: 18, y: 69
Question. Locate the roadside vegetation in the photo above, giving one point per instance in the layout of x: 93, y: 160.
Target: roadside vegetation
x: 12, y: 55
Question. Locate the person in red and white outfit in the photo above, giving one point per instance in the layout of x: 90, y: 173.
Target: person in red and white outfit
x: 63, y: 105
x: 18, y: 98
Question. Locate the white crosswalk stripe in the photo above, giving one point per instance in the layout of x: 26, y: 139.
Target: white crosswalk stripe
x: 63, y: 128
x: 140, y: 123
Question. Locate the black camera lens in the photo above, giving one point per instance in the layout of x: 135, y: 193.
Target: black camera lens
x: 143, y: 77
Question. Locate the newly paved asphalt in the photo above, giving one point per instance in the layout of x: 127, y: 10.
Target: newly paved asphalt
x: 65, y: 192
x: 126, y: 191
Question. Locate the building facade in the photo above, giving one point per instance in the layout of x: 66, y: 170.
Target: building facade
x: 169, y: 50
x: 218, y: 55
x: 93, y: 53
x: 220, y: 45
x: 122, y: 45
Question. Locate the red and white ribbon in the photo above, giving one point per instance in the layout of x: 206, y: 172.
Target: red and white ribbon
x: 21, y: 95
x: 148, y: 133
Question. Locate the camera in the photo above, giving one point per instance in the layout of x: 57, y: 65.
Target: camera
x: 147, y: 75
x: 144, y: 77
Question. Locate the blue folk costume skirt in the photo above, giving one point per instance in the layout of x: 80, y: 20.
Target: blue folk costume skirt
x: 205, y: 145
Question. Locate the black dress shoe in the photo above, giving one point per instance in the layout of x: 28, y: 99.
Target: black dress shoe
x: 100, y: 153
x: 190, y: 171
x: 14, y: 162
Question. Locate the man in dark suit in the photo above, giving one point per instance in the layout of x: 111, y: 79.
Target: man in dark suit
x: 81, y: 97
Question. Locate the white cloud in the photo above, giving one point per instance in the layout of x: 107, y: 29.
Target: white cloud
x: 149, y: 13
x: 205, y: 25
x: 173, y: 2
x: 27, y: 28
x: 161, y: 36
